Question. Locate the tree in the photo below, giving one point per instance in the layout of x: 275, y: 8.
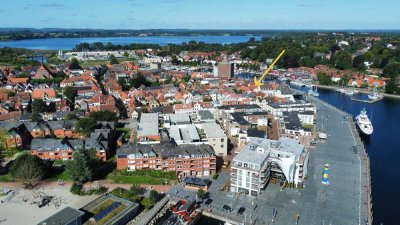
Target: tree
x: 358, y: 62
x: 126, y: 54
x: 153, y: 195
x: 201, y: 193
x: 392, y: 71
x: 38, y: 107
x: 70, y: 93
x: 334, y: 48
x: 137, y: 190
x: 113, y: 60
x: 78, y: 168
x: 307, y: 61
x: 343, y: 60
x: 103, y: 116
x: 74, y: 65
x: 324, y: 79
x: 147, y: 203
x: 86, y: 126
x: 29, y: 169
x: 3, y: 136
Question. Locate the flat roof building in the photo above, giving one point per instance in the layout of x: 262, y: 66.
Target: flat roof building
x: 216, y: 138
x: 66, y: 216
x: 148, y: 132
x: 262, y: 159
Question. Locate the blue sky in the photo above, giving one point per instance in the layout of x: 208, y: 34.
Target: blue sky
x: 202, y: 14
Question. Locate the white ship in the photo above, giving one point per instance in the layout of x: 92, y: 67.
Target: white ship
x: 364, y: 123
x: 297, y: 83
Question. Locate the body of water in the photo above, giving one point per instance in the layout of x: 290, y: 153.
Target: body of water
x: 383, y: 147
x: 70, y: 43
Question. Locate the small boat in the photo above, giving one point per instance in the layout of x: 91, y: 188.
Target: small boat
x: 348, y: 92
x: 375, y: 95
x: 313, y: 92
x: 341, y: 90
x: 364, y: 123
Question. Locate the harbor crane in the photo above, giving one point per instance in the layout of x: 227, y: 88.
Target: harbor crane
x: 258, y: 82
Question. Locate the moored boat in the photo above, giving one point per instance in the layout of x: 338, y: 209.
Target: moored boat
x: 364, y: 123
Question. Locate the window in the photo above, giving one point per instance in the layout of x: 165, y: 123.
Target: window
x: 222, y: 140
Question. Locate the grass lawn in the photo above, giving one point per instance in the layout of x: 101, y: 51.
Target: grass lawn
x: 94, y: 63
x: 7, y: 178
x: 62, y: 176
x: 310, y: 126
x: 113, y: 213
x: 102, y: 206
x: 135, y: 179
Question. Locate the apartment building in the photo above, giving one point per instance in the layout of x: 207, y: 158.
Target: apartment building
x: 186, y: 160
x: 262, y: 159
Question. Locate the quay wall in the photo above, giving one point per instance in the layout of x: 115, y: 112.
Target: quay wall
x: 364, y: 155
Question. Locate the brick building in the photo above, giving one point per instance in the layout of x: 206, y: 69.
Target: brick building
x: 226, y: 69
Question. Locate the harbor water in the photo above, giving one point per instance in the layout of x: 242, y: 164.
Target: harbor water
x: 383, y: 147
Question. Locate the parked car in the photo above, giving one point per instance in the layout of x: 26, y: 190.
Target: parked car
x: 208, y: 201
x: 226, y: 164
x: 227, y: 208
x: 241, y: 210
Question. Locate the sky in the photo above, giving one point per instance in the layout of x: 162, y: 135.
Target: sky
x: 201, y: 14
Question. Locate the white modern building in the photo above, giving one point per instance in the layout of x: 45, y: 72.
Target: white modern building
x: 262, y: 159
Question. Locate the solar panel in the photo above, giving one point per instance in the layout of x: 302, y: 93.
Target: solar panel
x: 106, y: 211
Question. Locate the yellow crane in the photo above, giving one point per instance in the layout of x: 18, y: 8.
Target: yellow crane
x: 258, y: 82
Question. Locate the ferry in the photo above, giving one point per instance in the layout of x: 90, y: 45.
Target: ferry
x: 297, y: 83
x: 364, y: 123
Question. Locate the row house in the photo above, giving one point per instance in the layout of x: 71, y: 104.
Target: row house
x: 185, y: 160
x: 99, y: 140
x: 17, y: 134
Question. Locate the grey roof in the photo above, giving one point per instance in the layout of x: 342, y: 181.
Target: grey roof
x: 213, y: 130
x: 205, y: 115
x: 197, y: 181
x: 250, y: 153
x: 256, y: 133
x: 148, y: 124
x: 186, y: 133
x: 292, y: 121
x: 180, y: 118
x: 239, y: 107
x: 63, y: 217
x: 166, y: 149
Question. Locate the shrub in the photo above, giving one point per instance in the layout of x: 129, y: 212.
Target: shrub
x: 215, y: 176
x: 76, y: 189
